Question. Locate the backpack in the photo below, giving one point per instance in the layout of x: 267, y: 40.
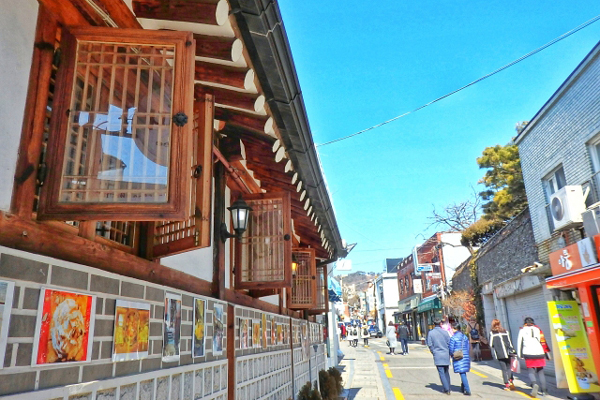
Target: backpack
x: 474, y: 334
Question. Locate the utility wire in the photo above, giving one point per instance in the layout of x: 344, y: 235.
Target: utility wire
x: 518, y: 60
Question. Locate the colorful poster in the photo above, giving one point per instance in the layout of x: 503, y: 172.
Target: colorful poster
x: 273, y: 333
x: 256, y: 333
x: 6, y: 299
x: 243, y: 333
x: 64, y: 327
x: 279, y: 334
x: 304, y: 340
x: 264, y: 331
x: 218, y: 327
x: 171, y: 327
x: 569, y: 332
x: 199, y: 325
x: 132, y: 326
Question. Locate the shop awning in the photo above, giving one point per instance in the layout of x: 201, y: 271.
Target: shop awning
x: 572, y: 279
x: 429, y: 303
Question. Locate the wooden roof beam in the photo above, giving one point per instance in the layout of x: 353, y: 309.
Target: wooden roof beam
x: 220, y: 48
x: 238, y: 100
x: 255, y: 123
x: 241, y: 78
x: 203, y: 12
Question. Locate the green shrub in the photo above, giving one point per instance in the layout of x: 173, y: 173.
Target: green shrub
x: 309, y: 393
x: 330, y: 382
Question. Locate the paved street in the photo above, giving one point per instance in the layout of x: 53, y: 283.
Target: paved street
x: 369, y: 373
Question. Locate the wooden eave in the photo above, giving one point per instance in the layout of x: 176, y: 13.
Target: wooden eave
x: 225, y: 68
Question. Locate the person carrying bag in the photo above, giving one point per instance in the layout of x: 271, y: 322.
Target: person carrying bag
x: 503, y: 351
x: 461, y: 361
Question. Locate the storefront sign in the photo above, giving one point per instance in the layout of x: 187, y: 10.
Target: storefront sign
x: 429, y: 304
x: 573, y: 345
x: 417, y: 286
x: 574, y: 257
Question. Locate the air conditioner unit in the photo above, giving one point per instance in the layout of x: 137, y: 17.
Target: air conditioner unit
x: 566, y: 206
x: 591, y: 220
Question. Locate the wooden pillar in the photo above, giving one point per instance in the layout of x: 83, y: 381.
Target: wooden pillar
x: 218, y: 285
x: 231, y: 381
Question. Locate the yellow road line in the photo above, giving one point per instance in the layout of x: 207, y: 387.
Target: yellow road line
x: 398, y: 394
x: 386, y: 366
x: 388, y: 373
x: 382, y: 358
x: 524, y: 394
x: 478, y: 373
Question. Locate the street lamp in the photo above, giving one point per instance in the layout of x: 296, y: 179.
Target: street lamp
x: 240, y: 212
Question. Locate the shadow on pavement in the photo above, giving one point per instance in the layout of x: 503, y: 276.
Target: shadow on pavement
x: 494, y: 384
x: 439, y: 388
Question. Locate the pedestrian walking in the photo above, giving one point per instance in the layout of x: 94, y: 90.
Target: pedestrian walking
x: 458, y: 348
x: 529, y: 347
x: 475, y: 339
x: 350, y: 336
x: 343, y: 328
x: 365, y: 335
x: 437, y: 341
x: 503, y: 351
x: 403, y: 336
x: 354, y: 335
x: 390, y: 334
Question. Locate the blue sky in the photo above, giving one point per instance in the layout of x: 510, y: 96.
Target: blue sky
x: 360, y: 63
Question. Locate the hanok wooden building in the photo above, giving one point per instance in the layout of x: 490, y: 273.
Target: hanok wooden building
x: 131, y: 131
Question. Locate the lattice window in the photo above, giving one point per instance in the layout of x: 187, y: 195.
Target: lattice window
x: 116, y: 150
x: 322, y: 292
x: 263, y: 256
x: 171, y: 237
x: 121, y: 232
x: 304, y: 280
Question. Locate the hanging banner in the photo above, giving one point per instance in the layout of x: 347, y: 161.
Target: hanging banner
x: 573, y: 345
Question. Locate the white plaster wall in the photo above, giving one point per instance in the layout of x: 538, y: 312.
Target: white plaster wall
x: 390, y: 290
x: 17, y: 34
x: 198, y: 263
x: 453, y: 253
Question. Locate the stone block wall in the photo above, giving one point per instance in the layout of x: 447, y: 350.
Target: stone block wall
x: 511, y: 249
x: 32, y: 272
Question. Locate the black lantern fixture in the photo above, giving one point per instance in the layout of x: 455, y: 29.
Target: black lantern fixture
x: 240, y: 211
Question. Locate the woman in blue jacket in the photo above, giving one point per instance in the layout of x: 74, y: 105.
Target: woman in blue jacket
x: 459, y: 341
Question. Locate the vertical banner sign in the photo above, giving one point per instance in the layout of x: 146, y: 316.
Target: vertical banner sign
x: 574, y: 348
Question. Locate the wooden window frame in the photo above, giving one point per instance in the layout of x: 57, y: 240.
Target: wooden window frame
x: 201, y: 189
x: 313, y: 286
x: 287, y: 267
x: 179, y: 175
x: 322, y: 270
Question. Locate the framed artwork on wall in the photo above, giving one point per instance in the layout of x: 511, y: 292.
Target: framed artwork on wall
x: 218, y: 330
x: 64, y: 327
x: 199, y: 335
x: 131, y: 334
x: 172, y: 327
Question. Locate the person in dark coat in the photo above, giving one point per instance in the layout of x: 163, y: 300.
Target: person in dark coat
x: 502, y: 349
x: 403, y: 336
x: 459, y: 341
x: 437, y: 341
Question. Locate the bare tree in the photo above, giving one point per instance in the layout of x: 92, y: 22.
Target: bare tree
x: 457, y: 216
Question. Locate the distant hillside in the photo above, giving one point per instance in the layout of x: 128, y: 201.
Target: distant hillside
x: 360, y: 278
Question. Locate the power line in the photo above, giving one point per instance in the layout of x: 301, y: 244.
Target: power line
x: 518, y: 60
